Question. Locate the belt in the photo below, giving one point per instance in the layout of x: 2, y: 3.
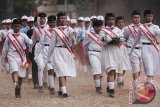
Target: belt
x: 134, y: 48
x: 94, y: 50
x: 145, y: 43
x: 46, y: 44
x: 62, y: 46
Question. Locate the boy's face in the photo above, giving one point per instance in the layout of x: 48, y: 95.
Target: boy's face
x: 87, y: 24
x: 80, y: 23
x: 148, y: 18
x: 97, y: 29
x: 42, y: 20
x: 24, y: 22
x: 120, y: 23
x: 16, y: 27
x: 136, y: 19
x: 8, y: 25
x: 110, y: 21
x: 52, y: 24
x: 62, y: 20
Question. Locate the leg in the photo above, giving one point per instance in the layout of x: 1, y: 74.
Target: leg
x: 35, y: 74
x: 97, y: 80
x: 120, y: 79
x: 110, y: 79
x: 29, y: 70
x: 136, y: 75
x: 62, y: 84
x: 51, y: 81
x: 45, y: 78
x: 18, y: 83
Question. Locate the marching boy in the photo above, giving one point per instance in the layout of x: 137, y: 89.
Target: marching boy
x: 13, y: 49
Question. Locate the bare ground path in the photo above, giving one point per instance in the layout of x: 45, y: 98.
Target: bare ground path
x: 81, y: 90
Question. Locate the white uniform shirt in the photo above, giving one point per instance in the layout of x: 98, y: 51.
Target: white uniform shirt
x: 129, y: 36
x: 91, y: 44
x: 55, y: 41
x: 141, y: 38
x: 9, y: 49
x: 115, y: 32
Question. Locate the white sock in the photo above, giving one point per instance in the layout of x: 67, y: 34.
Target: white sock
x: 84, y: 68
x: 51, y: 81
x: 120, y: 79
x: 29, y: 76
x: 40, y: 78
x: 63, y: 89
x: 111, y: 85
x: 97, y: 83
x: 45, y: 77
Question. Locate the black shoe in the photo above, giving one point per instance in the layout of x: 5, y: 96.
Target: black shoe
x: 29, y: 81
x: 52, y: 91
x: 36, y: 86
x: 59, y: 93
x: 41, y: 90
x: 107, y: 89
x: 111, y: 93
x: 99, y: 90
x: 45, y: 85
x: 18, y: 91
x: 65, y: 95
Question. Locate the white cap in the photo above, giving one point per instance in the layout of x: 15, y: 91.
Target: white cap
x: 93, y: 17
x: 100, y: 18
x: 81, y: 18
x: 73, y: 21
x: 3, y: 21
x: 24, y: 17
x: 30, y: 19
x: 68, y: 19
x: 87, y: 19
x: 8, y: 21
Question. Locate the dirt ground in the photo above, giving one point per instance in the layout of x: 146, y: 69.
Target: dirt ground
x: 81, y: 94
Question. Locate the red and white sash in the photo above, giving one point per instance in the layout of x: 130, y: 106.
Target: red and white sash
x: 149, y: 36
x: 39, y: 31
x: 111, y: 34
x: 94, y: 37
x: 19, y: 48
x: 64, y: 39
x: 132, y: 30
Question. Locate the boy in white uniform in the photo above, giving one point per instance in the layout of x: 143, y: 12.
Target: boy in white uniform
x: 126, y: 61
x: 91, y: 43
x: 38, y: 37
x: 111, y: 52
x: 62, y: 39
x: 13, y: 49
x: 130, y: 33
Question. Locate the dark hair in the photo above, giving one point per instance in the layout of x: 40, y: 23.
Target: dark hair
x: 97, y: 23
x: 135, y: 12
x: 51, y: 18
x: 60, y: 14
x: 119, y: 18
x: 109, y: 15
x: 148, y: 12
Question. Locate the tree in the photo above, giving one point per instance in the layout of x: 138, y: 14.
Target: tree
x: 84, y: 7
